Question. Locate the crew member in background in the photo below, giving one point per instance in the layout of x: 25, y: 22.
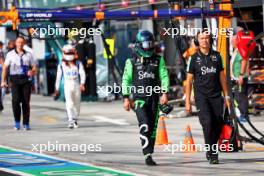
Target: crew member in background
x: 10, y: 47
x: 1, y: 65
x: 187, y: 55
x: 239, y: 69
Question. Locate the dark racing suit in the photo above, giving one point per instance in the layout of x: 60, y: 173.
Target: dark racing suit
x: 145, y: 78
x: 207, y: 92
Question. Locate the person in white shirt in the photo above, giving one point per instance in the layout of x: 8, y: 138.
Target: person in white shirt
x: 72, y: 72
x: 22, y: 68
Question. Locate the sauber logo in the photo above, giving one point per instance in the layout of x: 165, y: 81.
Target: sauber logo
x: 206, y: 70
x: 143, y: 75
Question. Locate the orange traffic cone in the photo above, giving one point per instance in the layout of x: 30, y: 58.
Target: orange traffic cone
x: 189, y: 145
x: 162, y: 137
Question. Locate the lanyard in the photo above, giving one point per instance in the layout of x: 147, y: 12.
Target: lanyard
x: 21, y: 60
x: 24, y: 68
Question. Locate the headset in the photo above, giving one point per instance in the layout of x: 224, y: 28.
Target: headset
x: 196, y: 42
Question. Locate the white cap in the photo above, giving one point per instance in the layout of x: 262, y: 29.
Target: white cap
x: 68, y: 52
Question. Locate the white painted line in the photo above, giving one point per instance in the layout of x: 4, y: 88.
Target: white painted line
x: 113, y: 121
x: 14, y: 172
x: 81, y: 163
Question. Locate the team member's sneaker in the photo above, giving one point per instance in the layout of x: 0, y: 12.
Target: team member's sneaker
x: 214, y: 161
x: 208, y: 156
x: 17, y: 126
x: 149, y: 161
x: 1, y: 108
x: 75, y: 125
x: 71, y: 125
x: 26, y: 127
x: 242, y: 119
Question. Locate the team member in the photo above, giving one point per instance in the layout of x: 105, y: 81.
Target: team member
x: 239, y: 76
x: 72, y: 71
x: 146, y: 69
x: 1, y: 65
x: 10, y: 46
x: 206, y: 73
x: 22, y: 68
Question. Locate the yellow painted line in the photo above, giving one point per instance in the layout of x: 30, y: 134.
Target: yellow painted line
x: 251, y: 149
x: 49, y: 119
x: 253, y: 146
x: 259, y: 148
